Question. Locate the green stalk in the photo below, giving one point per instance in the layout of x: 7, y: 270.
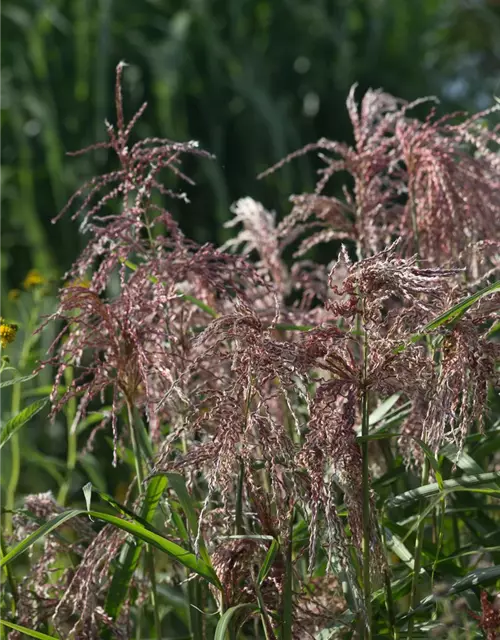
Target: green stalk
x: 15, y: 450
x: 365, y: 428
x: 287, y: 614
x: 266, y: 622
x: 389, y: 601
x: 9, y: 575
x: 150, y: 561
x: 418, y: 553
x: 456, y: 537
x: 15, y: 466
x: 366, y: 511
x: 140, y: 485
x: 238, y: 522
x: 15, y: 457
x: 71, y: 455
x: 135, y: 447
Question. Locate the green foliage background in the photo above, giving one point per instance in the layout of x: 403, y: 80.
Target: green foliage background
x: 251, y: 80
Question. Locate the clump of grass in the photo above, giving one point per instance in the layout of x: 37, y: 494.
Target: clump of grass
x: 273, y: 413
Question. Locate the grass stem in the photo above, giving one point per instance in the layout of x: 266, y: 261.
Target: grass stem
x: 365, y: 427
x: 417, y: 556
x: 140, y: 485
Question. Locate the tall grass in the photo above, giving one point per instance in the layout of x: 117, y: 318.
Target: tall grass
x: 270, y: 416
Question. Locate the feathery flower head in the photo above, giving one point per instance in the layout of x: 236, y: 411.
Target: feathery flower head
x: 434, y: 183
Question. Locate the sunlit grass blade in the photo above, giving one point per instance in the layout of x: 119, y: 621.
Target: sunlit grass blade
x: 130, y: 555
x: 461, y: 459
x: 451, y: 315
x: 28, y: 632
x: 226, y: 619
x: 397, y: 546
x: 458, y: 310
x: 122, y: 509
x: 15, y: 423
x: 383, y: 409
x: 8, y: 383
x: 183, y: 556
x: 175, y: 551
x: 178, y: 484
x: 44, y: 530
x: 429, y: 490
x: 286, y: 630
x: 479, y: 577
x: 268, y: 561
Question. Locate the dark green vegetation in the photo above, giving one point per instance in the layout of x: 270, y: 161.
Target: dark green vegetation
x: 233, y: 75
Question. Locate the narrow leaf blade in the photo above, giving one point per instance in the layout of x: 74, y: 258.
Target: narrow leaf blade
x: 28, y: 632
x: 268, y: 561
x: 225, y: 621
x: 14, y: 424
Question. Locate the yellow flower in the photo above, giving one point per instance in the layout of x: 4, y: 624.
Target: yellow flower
x: 7, y: 332
x: 33, y: 279
x: 13, y: 294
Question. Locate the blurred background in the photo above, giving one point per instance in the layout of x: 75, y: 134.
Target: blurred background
x: 251, y: 80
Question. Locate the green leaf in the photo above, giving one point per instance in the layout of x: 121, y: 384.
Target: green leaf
x: 451, y: 315
x: 471, y: 580
x: 10, y: 427
x: 395, y: 544
x: 429, y: 490
x: 286, y: 632
x: 268, y: 561
x: 87, y: 492
x: 461, y: 459
x: 183, y: 556
x: 93, y: 418
x: 458, y: 310
x: 172, y: 549
x: 224, y: 622
x: 131, y: 552
x: 44, y: 530
x: 8, y: 383
x: 178, y: 484
x: 45, y: 390
x: 383, y: 409
x: 121, y: 508
x: 26, y: 631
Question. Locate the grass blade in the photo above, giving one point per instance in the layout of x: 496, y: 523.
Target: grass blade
x: 268, y: 561
x: 14, y: 424
x: 29, y: 632
x: 8, y: 383
x: 44, y: 530
x: 178, y: 484
x: 226, y: 618
x: 458, y: 310
x: 131, y: 552
x: 172, y: 549
x: 429, y: 490
x: 286, y: 633
x: 451, y: 315
x: 183, y: 556
x: 383, y: 409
